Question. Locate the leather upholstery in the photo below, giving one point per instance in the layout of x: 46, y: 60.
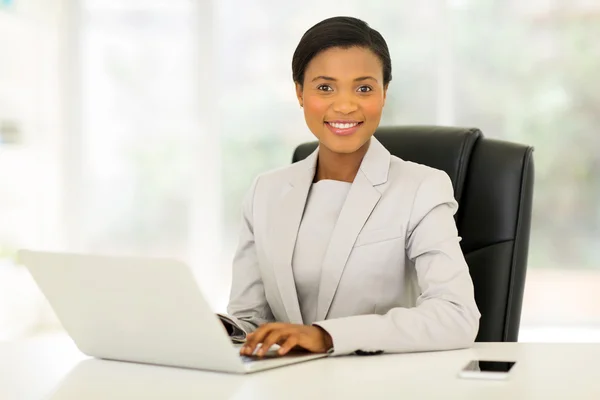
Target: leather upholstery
x: 493, y: 184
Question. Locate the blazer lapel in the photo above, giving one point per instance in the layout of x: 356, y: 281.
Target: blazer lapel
x: 362, y: 199
x: 285, y: 224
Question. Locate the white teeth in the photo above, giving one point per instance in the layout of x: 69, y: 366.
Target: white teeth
x: 343, y: 126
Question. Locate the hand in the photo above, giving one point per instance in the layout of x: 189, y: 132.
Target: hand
x: 310, y: 337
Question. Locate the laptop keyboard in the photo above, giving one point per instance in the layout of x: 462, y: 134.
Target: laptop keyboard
x: 249, y: 359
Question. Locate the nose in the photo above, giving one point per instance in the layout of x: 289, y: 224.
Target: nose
x: 345, y: 104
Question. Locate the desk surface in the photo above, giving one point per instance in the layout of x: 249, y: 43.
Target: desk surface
x: 51, y: 367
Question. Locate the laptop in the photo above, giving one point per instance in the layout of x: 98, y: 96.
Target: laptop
x: 144, y: 310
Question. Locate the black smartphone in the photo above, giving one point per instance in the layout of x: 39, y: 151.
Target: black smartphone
x: 487, y: 369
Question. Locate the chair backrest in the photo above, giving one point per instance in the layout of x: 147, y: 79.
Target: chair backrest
x: 493, y: 184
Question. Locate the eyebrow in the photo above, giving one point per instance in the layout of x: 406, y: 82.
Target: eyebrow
x: 329, y: 78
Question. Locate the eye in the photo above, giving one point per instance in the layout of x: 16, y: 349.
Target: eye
x: 324, y: 88
x: 365, y: 89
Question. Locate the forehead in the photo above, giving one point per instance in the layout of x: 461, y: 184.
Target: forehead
x: 345, y: 64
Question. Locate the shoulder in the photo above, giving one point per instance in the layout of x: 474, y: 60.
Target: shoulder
x: 281, y: 175
x: 280, y: 179
x: 414, y: 174
x: 426, y: 188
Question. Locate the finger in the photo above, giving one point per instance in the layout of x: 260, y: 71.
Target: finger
x: 253, y: 340
x: 245, y: 350
x: 250, y: 343
x: 288, y: 345
x: 271, y: 339
x: 245, y: 347
x: 257, y: 337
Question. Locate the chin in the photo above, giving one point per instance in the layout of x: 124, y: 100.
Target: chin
x: 342, y: 145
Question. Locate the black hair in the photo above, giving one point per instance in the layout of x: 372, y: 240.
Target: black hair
x: 344, y: 32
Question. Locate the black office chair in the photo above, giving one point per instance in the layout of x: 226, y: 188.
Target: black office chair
x: 493, y: 184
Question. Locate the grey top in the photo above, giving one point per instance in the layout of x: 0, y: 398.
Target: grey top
x: 323, y: 207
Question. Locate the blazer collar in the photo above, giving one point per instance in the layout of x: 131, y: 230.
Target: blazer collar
x: 375, y: 165
x: 362, y: 199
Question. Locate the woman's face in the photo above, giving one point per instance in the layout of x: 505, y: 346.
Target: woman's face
x: 343, y: 96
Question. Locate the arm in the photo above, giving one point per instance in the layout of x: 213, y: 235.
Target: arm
x: 446, y: 316
x: 248, y: 305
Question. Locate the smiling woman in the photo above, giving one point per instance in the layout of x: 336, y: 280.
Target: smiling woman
x: 351, y: 249
x: 343, y: 93
x: 342, y: 70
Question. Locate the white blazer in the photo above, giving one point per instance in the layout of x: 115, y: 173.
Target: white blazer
x: 394, y: 278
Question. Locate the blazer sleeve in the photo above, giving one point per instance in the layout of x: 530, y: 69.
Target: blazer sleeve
x: 446, y: 315
x: 248, y: 306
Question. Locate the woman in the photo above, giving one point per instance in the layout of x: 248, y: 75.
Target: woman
x: 352, y: 249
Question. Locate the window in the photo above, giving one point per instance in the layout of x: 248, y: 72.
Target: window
x: 179, y: 104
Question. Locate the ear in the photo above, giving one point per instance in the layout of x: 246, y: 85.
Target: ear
x: 385, y: 88
x: 299, y: 94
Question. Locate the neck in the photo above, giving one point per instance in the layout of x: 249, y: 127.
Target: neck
x: 339, y: 166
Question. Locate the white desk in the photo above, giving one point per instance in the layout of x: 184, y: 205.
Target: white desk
x: 52, y: 368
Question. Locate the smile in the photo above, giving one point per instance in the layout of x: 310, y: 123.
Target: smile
x: 343, y: 128
x: 342, y: 125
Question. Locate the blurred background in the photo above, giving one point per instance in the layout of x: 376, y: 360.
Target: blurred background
x: 136, y: 126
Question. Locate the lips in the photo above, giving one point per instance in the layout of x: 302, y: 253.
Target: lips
x: 343, y: 128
